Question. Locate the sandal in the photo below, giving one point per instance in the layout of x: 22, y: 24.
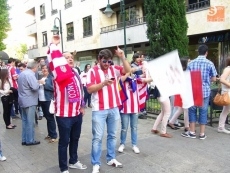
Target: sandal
x: 53, y: 140
x: 9, y: 127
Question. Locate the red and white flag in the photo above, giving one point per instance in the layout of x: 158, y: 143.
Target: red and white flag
x: 191, y: 95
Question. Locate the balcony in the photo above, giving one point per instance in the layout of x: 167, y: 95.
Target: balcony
x: 68, y: 5
x: 114, y: 35
x: 32, y: 28
x: 198, y: 6
x: 53, y: 12
x: 33, y: 52
x: 130, y: 23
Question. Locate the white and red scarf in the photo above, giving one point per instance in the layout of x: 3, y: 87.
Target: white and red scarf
x: 62, y: 72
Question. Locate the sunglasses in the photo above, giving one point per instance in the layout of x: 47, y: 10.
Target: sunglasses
x: 105, y: 61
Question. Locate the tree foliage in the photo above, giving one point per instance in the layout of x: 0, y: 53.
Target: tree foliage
x: 21, y: 50
x: 167, y: 26
x: 4, y: 22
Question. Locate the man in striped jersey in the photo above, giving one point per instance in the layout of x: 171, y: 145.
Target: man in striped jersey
x: 102, y: 83
x: 68, y: 96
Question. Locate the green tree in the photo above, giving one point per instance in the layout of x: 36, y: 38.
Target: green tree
x: 4, y: 22
x: 21, y: 50
x: 167, y: 26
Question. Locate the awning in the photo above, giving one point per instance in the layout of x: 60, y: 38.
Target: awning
x: 4, y: 55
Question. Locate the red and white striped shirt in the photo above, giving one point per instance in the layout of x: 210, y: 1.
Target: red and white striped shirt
x: 63, y: 107
x: 131, y: 105
x: 143, y: 93
x: 108, y: 97
x: 13, y: 76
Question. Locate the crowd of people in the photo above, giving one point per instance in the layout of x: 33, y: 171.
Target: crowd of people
x: 115, y: 93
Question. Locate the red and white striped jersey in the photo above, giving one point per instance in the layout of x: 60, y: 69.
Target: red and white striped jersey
x: 143, y: 93
x: 131, y: 105
x: 108, y: 97
x: 63, y: 107
x: 12, y: 75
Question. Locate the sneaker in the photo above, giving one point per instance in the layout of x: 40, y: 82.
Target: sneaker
x: 223, y: 130
x: 77, y: 165
x: 65, y: 171
x: 2, y: 158
x: 115, y: 163
x: 188, y: 135
x: 96, y: 169
x: 202, y: 137
x: 121, y: 148
x: 136, y: 149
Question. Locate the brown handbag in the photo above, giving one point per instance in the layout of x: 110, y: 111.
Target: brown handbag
x: 221, y: 99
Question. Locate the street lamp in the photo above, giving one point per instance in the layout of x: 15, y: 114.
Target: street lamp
x: 55, y: 29
x: 109, y: 12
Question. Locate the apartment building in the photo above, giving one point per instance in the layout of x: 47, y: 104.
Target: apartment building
x: 86, y: 29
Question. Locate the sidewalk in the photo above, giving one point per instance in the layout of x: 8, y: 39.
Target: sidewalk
x: 158, y: 155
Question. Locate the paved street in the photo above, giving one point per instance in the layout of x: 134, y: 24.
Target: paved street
x: 157, y: 155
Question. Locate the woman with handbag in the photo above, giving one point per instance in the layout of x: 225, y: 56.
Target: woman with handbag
x: 225, y: 87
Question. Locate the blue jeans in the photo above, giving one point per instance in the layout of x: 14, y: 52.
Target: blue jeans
x: 28, y: 122
x: 203, y: 112
x: 110, y: 117
x: 87, y: 96
x: 69, y: 134
x: 125, y: 118
x: 51, y: 125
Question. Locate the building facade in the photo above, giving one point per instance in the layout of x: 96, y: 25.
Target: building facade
x: 86, y: 29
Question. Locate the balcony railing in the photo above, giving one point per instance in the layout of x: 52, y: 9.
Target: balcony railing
x: 129, y: 23
x: 68, y: 5
x: 70, y: 37
x: 53, y: 12
x: 87, y: 33
x: 198, y: 5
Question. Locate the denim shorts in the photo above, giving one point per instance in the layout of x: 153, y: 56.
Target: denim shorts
x: 203, y: 112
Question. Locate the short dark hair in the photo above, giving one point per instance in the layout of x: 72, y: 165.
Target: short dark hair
x: 106, y: 54
x: 22, y: 65
x: 202, y: 49
x: 10, y: 60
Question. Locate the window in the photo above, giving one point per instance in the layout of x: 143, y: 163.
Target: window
x: 131, y: 15
x: 53, y: 9
x: 42, y: 12
x: 68, y: 4
x: 44, y: 38
x: 87, y: 26
x: 70, y: 31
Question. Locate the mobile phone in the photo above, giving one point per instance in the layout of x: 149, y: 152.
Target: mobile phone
x: 112, y: 78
